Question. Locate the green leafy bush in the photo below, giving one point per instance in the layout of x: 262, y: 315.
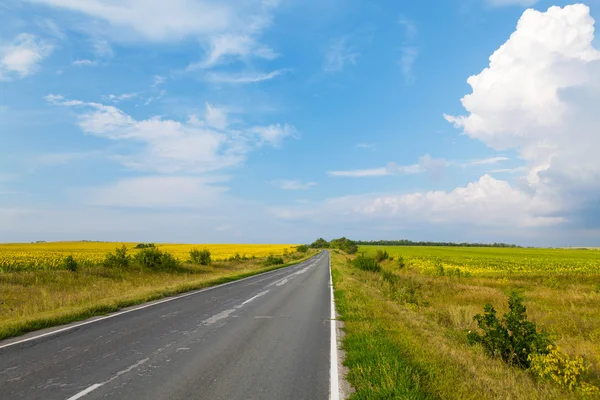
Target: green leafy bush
x: 273, y: 260
x: 201, y: 257
x: 366, y: 263
x: 70, y: 264
x: 381, y: 255
x: 153, y: 258
x: 302, y: 248
x: 513, y: 338
x: 119, y: 259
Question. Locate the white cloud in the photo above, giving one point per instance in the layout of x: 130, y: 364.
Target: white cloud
x: 484, y: 161
x: 169, y: 146
x: 23, y: 56
x: 433, y: 166
x: 227, y: 48
x: 273, y: 134
x: 242, y: 78
x: 539, y: 95
x: 294, y: 185
x: 487, y: 202
x: 117, y: 98
x: 85, y: 63
x: 102, y: 48
x: 338, y: 55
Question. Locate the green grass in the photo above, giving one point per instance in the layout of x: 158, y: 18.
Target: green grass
x: 406, y: 327
x: 32, y: 300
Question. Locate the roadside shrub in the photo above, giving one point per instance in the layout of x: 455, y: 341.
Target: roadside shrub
x: 302, y: 248
x: 401, y: 263
x: 381, y: 255
x: 558, y: 367
x: 238, y: 258
x: 273, y: 260
x: 513, y: 338
x: 119, y: 259
x: 144, y: 245
x: 366, y: 263
x: 153, y: 258
x: 70, y: 264
x: 201, y: 257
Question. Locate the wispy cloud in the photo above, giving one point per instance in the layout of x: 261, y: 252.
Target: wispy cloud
x: 168, y: 146
x: 85, y: 63
x: 433, y: 166
x: 338, y: 55
x: 293, y: 184
x: 242, y: 78
x: 409, y: 52
x: 118, y: 98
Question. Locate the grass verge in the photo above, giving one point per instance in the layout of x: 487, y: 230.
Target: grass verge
x: 33, y: 300
x: 406, y: 338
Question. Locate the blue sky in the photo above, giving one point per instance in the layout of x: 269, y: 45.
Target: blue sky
x: 284, y: 120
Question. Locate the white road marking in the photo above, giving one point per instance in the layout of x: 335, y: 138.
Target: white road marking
x: 181, y: 296
x: 227, y: 313
x: 334, y: 387
x: 282, y: 282
x: 263, y: 317
x: 97, y: 385
x: 252, y: 299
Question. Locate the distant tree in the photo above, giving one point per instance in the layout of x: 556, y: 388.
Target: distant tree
x: 320, y: 243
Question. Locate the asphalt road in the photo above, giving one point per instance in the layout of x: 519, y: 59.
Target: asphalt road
x: 265, y: 337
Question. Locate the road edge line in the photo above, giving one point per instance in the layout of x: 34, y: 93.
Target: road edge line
x: 334, y: 387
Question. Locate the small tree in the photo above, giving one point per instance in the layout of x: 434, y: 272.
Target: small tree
x: 513, y: 338
x: 401, y: 262
x: 119, y: 259
x: 202, y: 257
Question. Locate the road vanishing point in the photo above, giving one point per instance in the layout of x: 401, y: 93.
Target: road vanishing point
x: 267, y: 337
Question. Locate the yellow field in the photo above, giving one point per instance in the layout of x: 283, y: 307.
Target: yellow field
x: 50, y: 255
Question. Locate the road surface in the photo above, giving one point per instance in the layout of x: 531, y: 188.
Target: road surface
x: 266, y: 337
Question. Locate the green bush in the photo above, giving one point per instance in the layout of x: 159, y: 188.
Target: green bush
x: 201, y: 257
x: 401, y: 263
x: 119, y: 259
x: 273, y: 260
x: 302, y: 248
x: 366, y: 263
x: 70, y: 264
x: 381, y: 255
x: 513, y: 338
x: 153, y: 258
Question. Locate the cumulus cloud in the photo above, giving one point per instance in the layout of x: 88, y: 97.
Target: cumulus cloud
x: 539, y: 96
x: 484, y: 203
x: 23, y: 56
x: 169, y: 146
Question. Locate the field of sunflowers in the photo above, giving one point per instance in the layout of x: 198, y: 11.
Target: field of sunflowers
x: 48, y: 256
